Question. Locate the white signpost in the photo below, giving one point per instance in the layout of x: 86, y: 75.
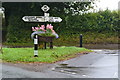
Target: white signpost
x: 44, y: 18
x: 41, y: 19
x: 34, y: 18
x: 55, y: 19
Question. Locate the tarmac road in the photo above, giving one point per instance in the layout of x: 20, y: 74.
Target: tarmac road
x: 99, y: 64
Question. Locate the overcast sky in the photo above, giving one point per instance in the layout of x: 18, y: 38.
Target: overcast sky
x: 110, y: 4
x: 104, y: 4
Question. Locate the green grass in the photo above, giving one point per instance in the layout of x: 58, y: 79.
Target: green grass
x: 45, y: 56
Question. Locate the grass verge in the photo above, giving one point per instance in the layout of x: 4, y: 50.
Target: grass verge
x: 45, y: 56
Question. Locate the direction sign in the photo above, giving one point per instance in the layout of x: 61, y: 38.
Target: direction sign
x: 34, y: 18
x: 55, y: 19
x: 41, y: 19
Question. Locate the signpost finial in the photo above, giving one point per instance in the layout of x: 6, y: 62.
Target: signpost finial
x: 45, y: 8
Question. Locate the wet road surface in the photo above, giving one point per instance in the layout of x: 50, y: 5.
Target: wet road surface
x: 98, y: 64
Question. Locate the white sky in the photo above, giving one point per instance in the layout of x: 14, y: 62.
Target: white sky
x: 104, y: 4
x: 110, y: 4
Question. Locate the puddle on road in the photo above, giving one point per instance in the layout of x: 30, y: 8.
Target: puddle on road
x: 105, y: 51
x: 64, y: 68
x: 71, y: 67
x: 64, y: 65
x: 111, y: 52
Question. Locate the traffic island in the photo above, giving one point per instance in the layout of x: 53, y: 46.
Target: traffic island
x: 45, y: 55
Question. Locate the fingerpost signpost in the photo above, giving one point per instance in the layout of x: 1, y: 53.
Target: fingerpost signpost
x: 45, y: 18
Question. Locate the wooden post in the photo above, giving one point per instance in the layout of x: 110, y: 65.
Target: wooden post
x: 45, y: 45
x: 81, y: 40
x: 51, y: 45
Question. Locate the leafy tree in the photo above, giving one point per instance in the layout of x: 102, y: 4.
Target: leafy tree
x: 14, y: 12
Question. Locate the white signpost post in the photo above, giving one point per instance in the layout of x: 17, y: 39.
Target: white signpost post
x: 44, y: 18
